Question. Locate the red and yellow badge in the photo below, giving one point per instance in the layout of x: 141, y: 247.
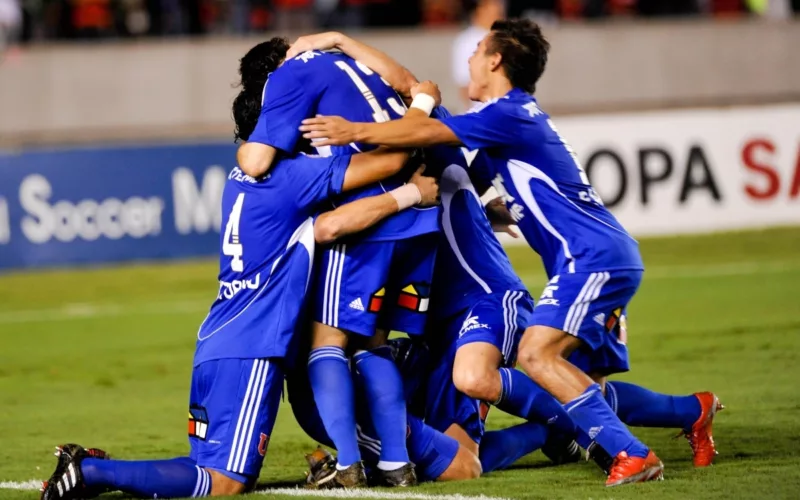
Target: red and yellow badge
x: 616, y: 323
x: 376, y: 301
x: 414, y: 297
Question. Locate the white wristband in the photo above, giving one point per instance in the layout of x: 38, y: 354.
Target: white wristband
x: 406, y: 195
x: 424, y: 102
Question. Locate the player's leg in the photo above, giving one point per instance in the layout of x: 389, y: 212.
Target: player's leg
x: 573, y: 318
x: 228, y: 432
x: 487, y: 338
x: 378, y: 375
x: 351, y: 288
x: 693, y: 414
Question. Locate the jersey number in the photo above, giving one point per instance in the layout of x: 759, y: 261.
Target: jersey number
x: 588, y: 195
x: 378, y: 113
x: 230, y: 243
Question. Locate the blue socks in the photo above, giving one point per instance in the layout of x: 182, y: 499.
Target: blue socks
x: 332, y: 384
x: 641, y: 407
x: 499, y: 449
x: 522, y: 397
x: 594, y: 416
x: 176, y: 478
x: 383, y: 386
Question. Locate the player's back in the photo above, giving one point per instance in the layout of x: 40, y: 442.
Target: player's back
x: 471, y: 263
x: 341, y: 86
x: 266, y: 254
x: 546, y: 189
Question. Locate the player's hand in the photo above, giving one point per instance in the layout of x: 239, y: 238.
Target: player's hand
x: 329, y: 130
x: 428, y: 188
x: 427, y: 87
x: 320, y: 41
x: 500, y: 217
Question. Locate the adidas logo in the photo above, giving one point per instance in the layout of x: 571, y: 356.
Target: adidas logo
x: 594, y: 431
x: 357, y: 304
x: 600, y: 319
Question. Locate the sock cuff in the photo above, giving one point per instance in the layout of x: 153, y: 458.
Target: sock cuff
x: 328, y: 352
x: 506, y: 384
x: 383, y: 351
x: 587, y: 394
x: 203, y: 486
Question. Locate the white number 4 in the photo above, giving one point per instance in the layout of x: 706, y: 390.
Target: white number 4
x: 230, y: 244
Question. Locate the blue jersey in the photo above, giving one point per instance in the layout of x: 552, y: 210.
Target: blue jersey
x: 545, y: 187
x: 266, y: 253
x: 335, y: 84
x: 471, y: 262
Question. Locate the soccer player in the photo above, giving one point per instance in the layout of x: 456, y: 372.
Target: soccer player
x: 266, y: 255
x: 367, y: 285
x: 482, y: 307
x: 593, y: 264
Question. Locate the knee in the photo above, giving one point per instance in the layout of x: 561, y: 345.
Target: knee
x: 222, y: 485
x: 537, y: 359
x: 477, y: 382
x: 465, y: 466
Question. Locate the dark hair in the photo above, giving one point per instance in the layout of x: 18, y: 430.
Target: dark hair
x: 254, y: 68
x: 524, y: 50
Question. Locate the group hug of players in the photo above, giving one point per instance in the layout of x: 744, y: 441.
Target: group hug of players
x: 357, y: 204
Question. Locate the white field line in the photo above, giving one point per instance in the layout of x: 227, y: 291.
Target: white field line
x: 298, y: 492
x: 164, y: 307
x: 33, y: 484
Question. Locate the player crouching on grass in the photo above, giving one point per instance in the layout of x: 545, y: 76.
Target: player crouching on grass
x: 266, y: 255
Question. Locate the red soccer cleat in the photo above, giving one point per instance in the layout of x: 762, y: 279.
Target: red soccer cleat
x: 700, y: 435
x: 628, y: 469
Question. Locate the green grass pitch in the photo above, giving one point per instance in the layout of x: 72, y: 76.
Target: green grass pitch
x: 102, y: 357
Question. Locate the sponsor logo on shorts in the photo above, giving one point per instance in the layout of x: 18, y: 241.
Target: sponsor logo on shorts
x: 472, y: 323
x: 198, y: 422
x: 357, y: 304
x: 548, y: 295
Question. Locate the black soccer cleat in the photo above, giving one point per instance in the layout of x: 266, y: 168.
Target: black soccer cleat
x: 66, y: 483
x: 403, y: 477
x: 323, y: 473
x: 561, y: 450
x: 601, y: 457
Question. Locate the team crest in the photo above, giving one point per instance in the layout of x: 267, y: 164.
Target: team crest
x: 198, y: 422
x: 263, y: 443
x: 415, y: 296
x: 617, y: 324
x: 376, y: 301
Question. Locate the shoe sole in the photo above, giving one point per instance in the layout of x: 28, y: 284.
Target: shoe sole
x: 654, y: 473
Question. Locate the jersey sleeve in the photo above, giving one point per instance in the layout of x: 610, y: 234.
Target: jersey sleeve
x: 490, y: 127
x: 286, y: 103
x: 315, y: 178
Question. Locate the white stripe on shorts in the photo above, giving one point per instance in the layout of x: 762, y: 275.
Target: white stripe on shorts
x: 243, y: 450
x: 245, y: 411
x: 589, y: 293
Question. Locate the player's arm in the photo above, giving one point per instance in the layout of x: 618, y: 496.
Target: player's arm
x: 362, y: 214
x: 284, y: 103
x: 496, y: 124
x: 396, y: 75
x: 374, y: 166
x: 255, y: 159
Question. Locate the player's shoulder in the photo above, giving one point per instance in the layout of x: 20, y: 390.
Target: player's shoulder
x: 236, y: 175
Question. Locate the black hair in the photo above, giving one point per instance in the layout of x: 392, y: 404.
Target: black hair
x: 524, y: 50
x: 254, y: 69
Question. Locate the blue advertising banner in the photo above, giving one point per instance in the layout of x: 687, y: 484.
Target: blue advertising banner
x: 85, y: 206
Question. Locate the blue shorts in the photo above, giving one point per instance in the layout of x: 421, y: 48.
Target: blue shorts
x: 232, y: 409
x: 592, y: 307
x: 499, y: 319
x: 382, y: 284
